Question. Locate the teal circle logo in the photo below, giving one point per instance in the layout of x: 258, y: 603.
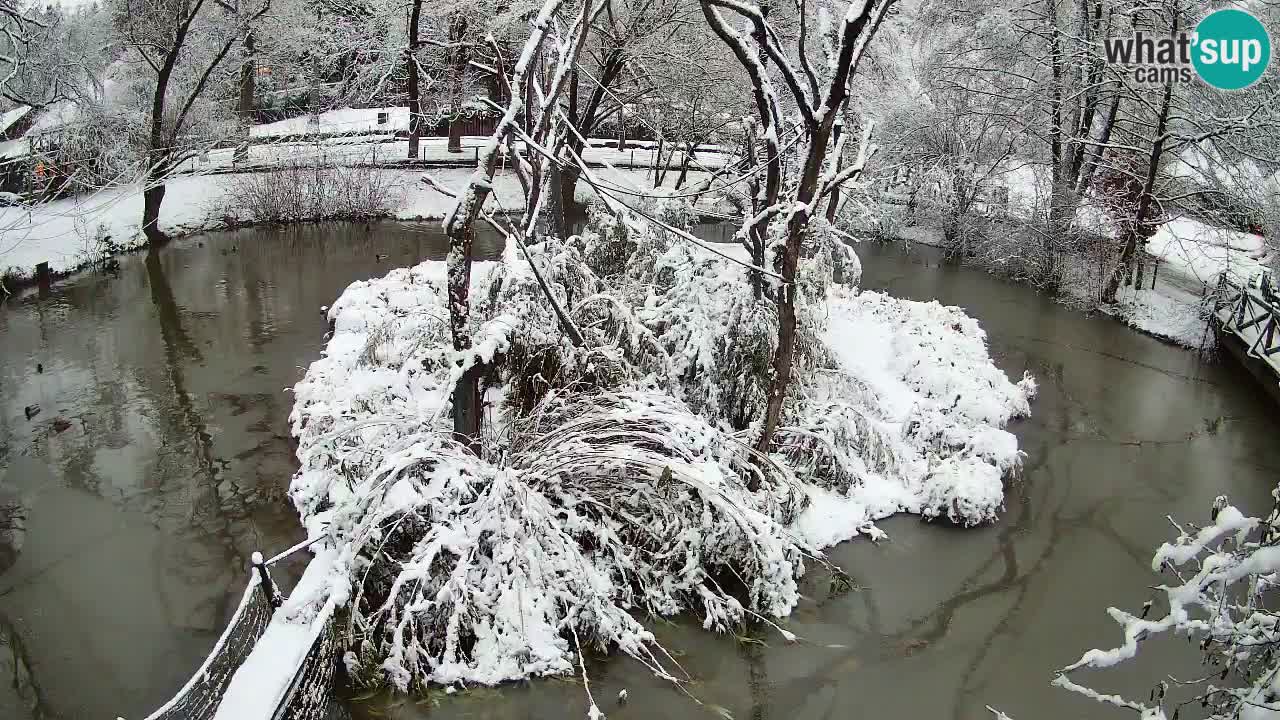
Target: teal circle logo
x: 1232, y: 49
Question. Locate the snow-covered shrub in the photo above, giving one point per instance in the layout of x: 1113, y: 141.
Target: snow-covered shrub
x: 827, y: 260
x: 470, y: 571
x: 840, y: 437
x: 613, y: 480
x: 926, y: 409
x: 537, y: 356
x: 720, y: 337
x: 606, y: 243
x: 301, y: 192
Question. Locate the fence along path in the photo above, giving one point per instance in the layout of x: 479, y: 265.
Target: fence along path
x: 277, y: 657
x: 1253, y: 315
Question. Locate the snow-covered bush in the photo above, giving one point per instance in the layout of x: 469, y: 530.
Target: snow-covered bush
x: 485, y: 569
x: 606, y: 243
x: 614, y: 477
x: 605, y: 503
x: 927, y: 406
x: 301, y: 192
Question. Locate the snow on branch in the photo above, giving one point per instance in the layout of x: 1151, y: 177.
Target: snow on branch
x: 1223, y: 572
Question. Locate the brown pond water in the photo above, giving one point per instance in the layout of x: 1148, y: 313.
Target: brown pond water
x: 160, y: 456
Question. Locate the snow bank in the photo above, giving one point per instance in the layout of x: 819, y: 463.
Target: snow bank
x: 75, y: 232
x: 1191, y: 256
x: 1202, y: 252
x: 942, y: 404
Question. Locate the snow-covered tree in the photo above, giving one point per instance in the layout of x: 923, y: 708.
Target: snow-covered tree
x: 179, y: 45
x: 787, y: 205
x: 48, y: 53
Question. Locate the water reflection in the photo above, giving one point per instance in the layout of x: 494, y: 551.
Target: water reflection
x: 160, y: 456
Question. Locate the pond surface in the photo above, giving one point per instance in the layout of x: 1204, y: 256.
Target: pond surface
x: 160, y: 457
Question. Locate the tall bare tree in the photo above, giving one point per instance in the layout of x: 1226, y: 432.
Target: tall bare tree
x: 820, y: 96
x: 535, y: 122
x: 183, y: 42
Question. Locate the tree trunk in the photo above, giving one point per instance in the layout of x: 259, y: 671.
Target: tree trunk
x: 1061, y: 211
x: 457, y: 74
x: 559, y: 225
x: 152, y: 197
x: 798, y: 226
x: 157, y: 157
x: 684, y: 164
x: 415, y: 98
x: 466, y: 394
x: 1135, y: 230
x: 245, y: 107
x: 1095, y: 158
x: 835, y: 194
x: 569, y: 187
x: 657, y: 163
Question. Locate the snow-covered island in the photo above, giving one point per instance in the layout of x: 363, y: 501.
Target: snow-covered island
x: 617, y: 479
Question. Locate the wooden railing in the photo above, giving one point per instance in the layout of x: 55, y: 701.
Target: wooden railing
x: 309, y: 694
x: 1251, y: 312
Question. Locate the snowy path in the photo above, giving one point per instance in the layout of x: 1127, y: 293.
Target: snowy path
x: 390, y: 151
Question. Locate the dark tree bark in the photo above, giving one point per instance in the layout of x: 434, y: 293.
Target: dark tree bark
x: 457, y: 74
x: 1137, y: 229
x: 586, y: 119
x: 162, y: 143
x: 855, y: 33
x: 460, y: 226
x: 684, y: 164
x: 152, y: 197
x: 415, y: 97
x: 248, y: 91
x: 1109, y: 124
x: 834, y: 204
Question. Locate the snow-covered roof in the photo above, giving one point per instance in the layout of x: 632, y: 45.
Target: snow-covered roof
x: 11, y: 149
x: 12, y: 116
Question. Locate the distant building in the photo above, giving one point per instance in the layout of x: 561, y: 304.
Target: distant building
x: 31, y: 139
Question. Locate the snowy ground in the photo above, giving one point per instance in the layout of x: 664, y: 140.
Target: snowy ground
x: 67, y: 233
x: 1191, y: 255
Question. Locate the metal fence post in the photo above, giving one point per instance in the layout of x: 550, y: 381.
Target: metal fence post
x: 269, y: 588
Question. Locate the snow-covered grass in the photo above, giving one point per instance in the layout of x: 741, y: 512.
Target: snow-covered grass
x: 617, y: 478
